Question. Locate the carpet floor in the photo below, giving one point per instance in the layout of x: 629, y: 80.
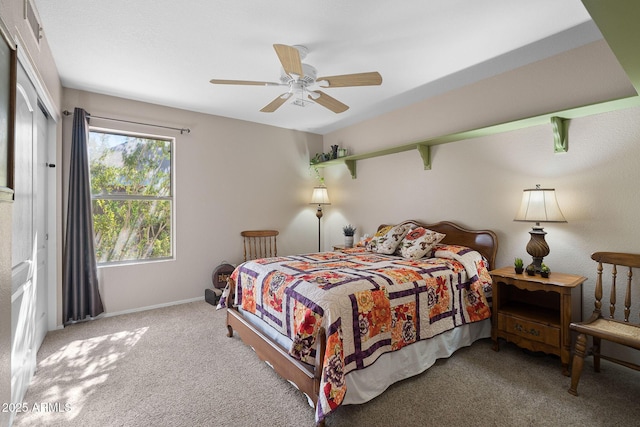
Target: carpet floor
x: 175, y: 366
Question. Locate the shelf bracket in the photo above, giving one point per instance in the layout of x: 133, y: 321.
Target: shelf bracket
x: 351, y: 165
x: 425, y: 153
x: 560, y: 135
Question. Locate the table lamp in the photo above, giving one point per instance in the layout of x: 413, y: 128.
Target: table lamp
x: 539, y: 205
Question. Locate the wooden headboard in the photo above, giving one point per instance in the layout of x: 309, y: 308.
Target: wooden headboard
x: 483, y: 241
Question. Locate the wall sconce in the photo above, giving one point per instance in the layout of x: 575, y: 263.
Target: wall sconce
x: 319, y: 197
x: 539, y: 205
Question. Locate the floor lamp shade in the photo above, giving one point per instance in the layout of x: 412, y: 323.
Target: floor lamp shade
x: 539, y: 205
x: 319, y: 197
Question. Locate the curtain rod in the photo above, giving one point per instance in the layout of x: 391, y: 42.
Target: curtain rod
x: 182, y: 130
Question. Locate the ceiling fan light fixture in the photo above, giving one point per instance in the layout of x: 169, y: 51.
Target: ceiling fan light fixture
x: 309, y: 77
x: 301, y: 78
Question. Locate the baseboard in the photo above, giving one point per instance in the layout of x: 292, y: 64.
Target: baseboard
x: 152, y: 307
x: 135, y: 310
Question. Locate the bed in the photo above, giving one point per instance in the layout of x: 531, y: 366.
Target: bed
x: 343, y: 326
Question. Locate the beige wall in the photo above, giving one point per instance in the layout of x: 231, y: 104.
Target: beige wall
x: 479, y: 182
x: 233, y: 175
x: 230, y: 176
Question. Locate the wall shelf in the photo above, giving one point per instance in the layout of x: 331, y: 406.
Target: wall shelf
x: 617, y: 21
x: 350, y: 161
x: 558, y: 120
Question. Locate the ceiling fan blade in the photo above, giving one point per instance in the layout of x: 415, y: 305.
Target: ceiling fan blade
x: 290, y: 59
x: 359, y: 79
x: 328, y: 102
x: 243, y: 82
x: 276, y: 103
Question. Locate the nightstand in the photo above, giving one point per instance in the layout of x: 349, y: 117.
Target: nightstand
x: 339, y: 248
x: 534, y: 312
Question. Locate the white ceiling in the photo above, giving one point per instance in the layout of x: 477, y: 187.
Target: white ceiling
x: 166, y: 51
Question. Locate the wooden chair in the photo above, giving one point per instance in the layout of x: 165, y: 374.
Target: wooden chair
x: 260, y: 244
x: 607, y: 328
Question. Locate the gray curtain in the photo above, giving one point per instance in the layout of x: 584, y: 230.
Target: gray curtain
x: 81, y: 297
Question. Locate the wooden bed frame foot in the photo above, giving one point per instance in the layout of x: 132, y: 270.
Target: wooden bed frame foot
x: 229, y: 331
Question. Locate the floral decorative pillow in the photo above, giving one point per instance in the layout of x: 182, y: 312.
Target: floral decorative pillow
x: 364, y: 242
x: 372, y: 243
x: 387, y: 239
x: 419, y: 242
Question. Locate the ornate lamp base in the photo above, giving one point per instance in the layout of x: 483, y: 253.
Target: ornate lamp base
x: 537, y: 246
x: 319, y: 215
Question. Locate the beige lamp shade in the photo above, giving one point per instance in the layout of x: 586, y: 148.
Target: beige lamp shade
x: 539, y: 205
x: 320, y: 196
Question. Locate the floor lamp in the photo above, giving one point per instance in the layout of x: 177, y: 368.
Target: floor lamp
x: 319, y: 197
x: 539, y: 205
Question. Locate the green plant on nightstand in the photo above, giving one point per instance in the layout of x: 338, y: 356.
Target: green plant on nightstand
x: 544, y: 270
x: 518, y: 265
x: 531, y: 270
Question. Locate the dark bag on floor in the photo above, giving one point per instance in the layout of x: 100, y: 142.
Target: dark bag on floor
x: 212, y: 296
x: 219, y: 279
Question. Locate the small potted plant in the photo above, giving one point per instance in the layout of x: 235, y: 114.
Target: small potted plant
x: 531, y: 270
x: 518, y: 265
x: 348, y: 230
x: 544, y: 270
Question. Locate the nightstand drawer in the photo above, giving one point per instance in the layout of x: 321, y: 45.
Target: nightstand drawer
x: 532, y: 331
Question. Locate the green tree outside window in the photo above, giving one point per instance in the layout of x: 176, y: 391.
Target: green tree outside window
x: 131, y: 189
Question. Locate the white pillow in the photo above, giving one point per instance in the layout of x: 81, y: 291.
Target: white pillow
x: 386, y: 240
x: 419, y: 242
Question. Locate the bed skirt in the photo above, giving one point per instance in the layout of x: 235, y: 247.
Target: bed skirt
x: 370, y: 382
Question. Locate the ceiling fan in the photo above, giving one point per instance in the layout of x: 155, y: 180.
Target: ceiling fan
x: 301, y: 80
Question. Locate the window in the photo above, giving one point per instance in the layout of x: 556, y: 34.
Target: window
x: 132, y: 193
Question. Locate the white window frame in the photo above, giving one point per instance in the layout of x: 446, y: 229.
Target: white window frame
x: 171, y: 198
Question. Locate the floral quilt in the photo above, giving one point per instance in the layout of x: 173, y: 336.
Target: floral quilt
x: 368, y: 303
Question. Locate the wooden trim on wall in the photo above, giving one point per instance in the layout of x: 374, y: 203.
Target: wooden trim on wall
x: 11, y: 108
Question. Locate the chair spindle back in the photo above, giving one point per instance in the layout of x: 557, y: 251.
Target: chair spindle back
x: 260, y: 244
